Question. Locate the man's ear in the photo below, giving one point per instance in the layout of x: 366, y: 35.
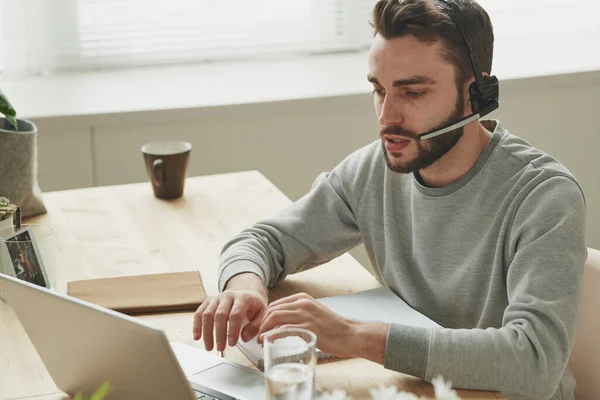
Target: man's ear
x: 467, y: 96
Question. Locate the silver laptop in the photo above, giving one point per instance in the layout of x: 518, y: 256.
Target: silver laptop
x: 83, y: 345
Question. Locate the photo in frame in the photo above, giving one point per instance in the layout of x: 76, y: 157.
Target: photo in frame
x: 22, y: 258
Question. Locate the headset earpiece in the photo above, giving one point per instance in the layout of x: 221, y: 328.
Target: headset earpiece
x: 483, y: 96
x: 491, y: 90
x: 475, y: 97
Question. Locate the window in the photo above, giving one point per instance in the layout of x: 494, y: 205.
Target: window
x: 43, y: 36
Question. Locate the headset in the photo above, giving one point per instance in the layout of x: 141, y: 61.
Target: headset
x: 483, y: 93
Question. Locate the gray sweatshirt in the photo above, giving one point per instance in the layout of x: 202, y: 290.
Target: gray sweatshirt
x: 496, y: 258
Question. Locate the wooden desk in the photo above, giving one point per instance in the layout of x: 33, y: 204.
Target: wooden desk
x: 124, y: 230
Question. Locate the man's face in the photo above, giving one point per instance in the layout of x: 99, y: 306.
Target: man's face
x: 414, y: 92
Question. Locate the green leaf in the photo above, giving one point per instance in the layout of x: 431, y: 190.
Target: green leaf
x: 5, y: 107
x: 101, y: 392
x: 78, y: 396
x: 12, y: 121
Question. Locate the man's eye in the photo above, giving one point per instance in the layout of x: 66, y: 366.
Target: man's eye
x: 414, y: 95
x: 379, y: 92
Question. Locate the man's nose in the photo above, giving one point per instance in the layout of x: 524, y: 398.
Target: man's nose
x: 391, y: 112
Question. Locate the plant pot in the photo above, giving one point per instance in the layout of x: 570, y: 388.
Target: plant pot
x: 18, y: 163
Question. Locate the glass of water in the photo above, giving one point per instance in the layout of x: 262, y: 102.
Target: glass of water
x: 290, y: 359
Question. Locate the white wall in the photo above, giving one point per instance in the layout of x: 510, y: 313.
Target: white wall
x: 292, y: 142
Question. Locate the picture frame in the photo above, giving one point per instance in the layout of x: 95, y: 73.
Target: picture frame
x: 23, y: 259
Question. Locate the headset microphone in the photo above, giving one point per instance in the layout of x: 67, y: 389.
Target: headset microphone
x: 483, y: 93
x: 463, y: 122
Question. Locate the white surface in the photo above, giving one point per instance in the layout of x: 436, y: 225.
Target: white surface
x: 193, y: 359
x: 212, y: 371
x: 233, y: 380
x: 380, y: 305
x: 187, y: 86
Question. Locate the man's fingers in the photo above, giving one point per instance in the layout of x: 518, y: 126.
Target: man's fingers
x: 273, y: 308
x: 221, y: 318
x: 261, y: 338
x: 290, y: 299
x: 208, y: 317
x: 251, y: 329
x: 197, y: 331
x: 236, y: 318
x: 300, y: 302
x: 278, y: 318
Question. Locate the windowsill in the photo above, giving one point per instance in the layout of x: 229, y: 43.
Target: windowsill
x: 250, y: 82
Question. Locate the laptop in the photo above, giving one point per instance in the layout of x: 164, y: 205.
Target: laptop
x: 83, y: 345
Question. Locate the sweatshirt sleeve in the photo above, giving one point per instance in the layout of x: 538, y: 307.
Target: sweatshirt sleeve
x: 319, y: 227
x: 527, y: 357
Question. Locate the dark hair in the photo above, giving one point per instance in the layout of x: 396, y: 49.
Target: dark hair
x: 426, y: 21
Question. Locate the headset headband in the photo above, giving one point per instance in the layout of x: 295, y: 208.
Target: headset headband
x: 453, y: 11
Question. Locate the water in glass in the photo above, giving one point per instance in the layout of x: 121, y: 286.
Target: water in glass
x: 290, y: 381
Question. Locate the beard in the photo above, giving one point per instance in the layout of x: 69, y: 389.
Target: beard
x: 436, y: 147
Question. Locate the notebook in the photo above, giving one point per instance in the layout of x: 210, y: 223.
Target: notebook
x: 174, y: 291
x: 378, y: 305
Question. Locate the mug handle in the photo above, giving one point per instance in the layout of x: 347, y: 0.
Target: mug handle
x: 158, y: 173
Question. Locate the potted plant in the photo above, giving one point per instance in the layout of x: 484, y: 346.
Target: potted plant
x: 18, y: 161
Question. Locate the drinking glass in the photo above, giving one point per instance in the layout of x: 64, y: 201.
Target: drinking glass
x: 290, y: 358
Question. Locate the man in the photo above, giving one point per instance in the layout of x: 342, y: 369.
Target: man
x: 474, y: 228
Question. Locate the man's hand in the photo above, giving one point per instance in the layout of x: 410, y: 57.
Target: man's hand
x: 244, y: 300
x: 302, y: 311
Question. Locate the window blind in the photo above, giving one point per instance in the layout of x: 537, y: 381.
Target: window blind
x: 46, y: 36
x: 41, y: 36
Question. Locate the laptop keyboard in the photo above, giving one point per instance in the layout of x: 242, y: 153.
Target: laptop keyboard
x: 204, y: 393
